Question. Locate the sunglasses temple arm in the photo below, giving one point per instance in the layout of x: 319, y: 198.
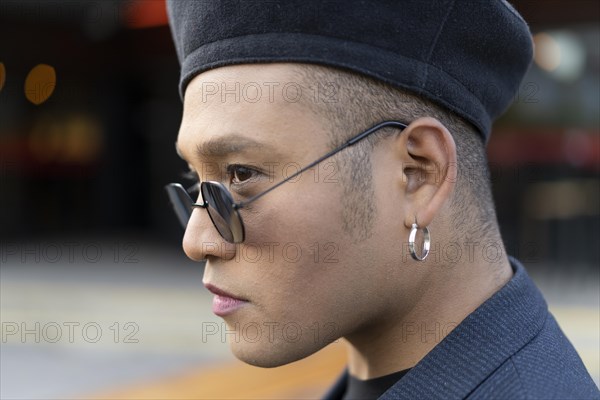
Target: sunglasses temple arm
x: 350, y: 142
x: 295, y: 174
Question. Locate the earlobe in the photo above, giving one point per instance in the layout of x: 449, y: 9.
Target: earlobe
x: 429, y: 170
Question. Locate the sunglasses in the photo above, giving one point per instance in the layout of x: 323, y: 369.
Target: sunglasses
x: 224, y: 211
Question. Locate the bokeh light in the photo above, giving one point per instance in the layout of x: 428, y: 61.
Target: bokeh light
x: 40, y: 83
x: 2, y: 75
x: 560, y: 53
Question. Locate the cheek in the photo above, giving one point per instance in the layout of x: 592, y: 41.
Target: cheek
x: 304, y: 279
x: 296, y: 255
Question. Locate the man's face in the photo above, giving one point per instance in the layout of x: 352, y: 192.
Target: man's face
x: 307, y: 281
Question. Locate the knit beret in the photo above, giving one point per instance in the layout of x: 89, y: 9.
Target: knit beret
x: 468, y: 56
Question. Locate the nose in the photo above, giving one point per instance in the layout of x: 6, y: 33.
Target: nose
x: 202, y: 240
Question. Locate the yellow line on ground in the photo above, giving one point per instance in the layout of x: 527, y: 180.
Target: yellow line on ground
x: 307, y: 378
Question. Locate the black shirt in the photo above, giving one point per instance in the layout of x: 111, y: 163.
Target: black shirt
x: 371, y: 389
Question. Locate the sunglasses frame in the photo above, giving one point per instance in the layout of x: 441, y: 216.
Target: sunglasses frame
x: 176, y: 190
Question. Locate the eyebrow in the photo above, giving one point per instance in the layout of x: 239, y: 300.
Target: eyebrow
x: 222, y: 146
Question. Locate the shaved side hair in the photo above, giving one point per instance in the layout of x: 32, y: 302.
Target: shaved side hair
x: 352, y: 103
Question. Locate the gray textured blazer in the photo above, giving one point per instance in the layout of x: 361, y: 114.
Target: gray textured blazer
x: 509, y: 348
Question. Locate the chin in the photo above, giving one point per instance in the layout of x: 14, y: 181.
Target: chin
x: 271, y: 355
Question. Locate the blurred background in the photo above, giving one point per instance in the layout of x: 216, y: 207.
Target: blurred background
x: 96, y: 296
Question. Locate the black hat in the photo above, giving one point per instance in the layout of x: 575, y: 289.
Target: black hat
x: 466, y: 55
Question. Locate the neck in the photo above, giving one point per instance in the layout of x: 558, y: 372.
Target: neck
x: 402, y: 340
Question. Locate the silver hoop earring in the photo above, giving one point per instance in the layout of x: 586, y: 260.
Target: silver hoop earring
x: 426, y: 242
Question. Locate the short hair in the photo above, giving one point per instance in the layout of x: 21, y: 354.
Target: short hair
x: 353, y: 103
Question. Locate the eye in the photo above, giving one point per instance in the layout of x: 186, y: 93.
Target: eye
x: 240, y: 174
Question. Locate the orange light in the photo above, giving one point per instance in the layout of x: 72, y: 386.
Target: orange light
x: 40, y: 83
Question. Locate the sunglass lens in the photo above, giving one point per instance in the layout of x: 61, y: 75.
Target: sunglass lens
x: 220, y: 208
x: 181, y: 201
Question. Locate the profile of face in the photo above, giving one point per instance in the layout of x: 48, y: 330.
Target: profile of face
x: 307, y: 279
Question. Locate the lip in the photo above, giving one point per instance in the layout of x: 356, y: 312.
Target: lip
x: 224, y: 302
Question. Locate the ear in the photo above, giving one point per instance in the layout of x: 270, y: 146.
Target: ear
x: 429, y: 170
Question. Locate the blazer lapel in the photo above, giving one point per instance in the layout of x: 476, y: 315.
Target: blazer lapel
x: 478, y: 345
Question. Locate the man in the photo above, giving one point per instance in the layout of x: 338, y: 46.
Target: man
x: 344, y: 194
